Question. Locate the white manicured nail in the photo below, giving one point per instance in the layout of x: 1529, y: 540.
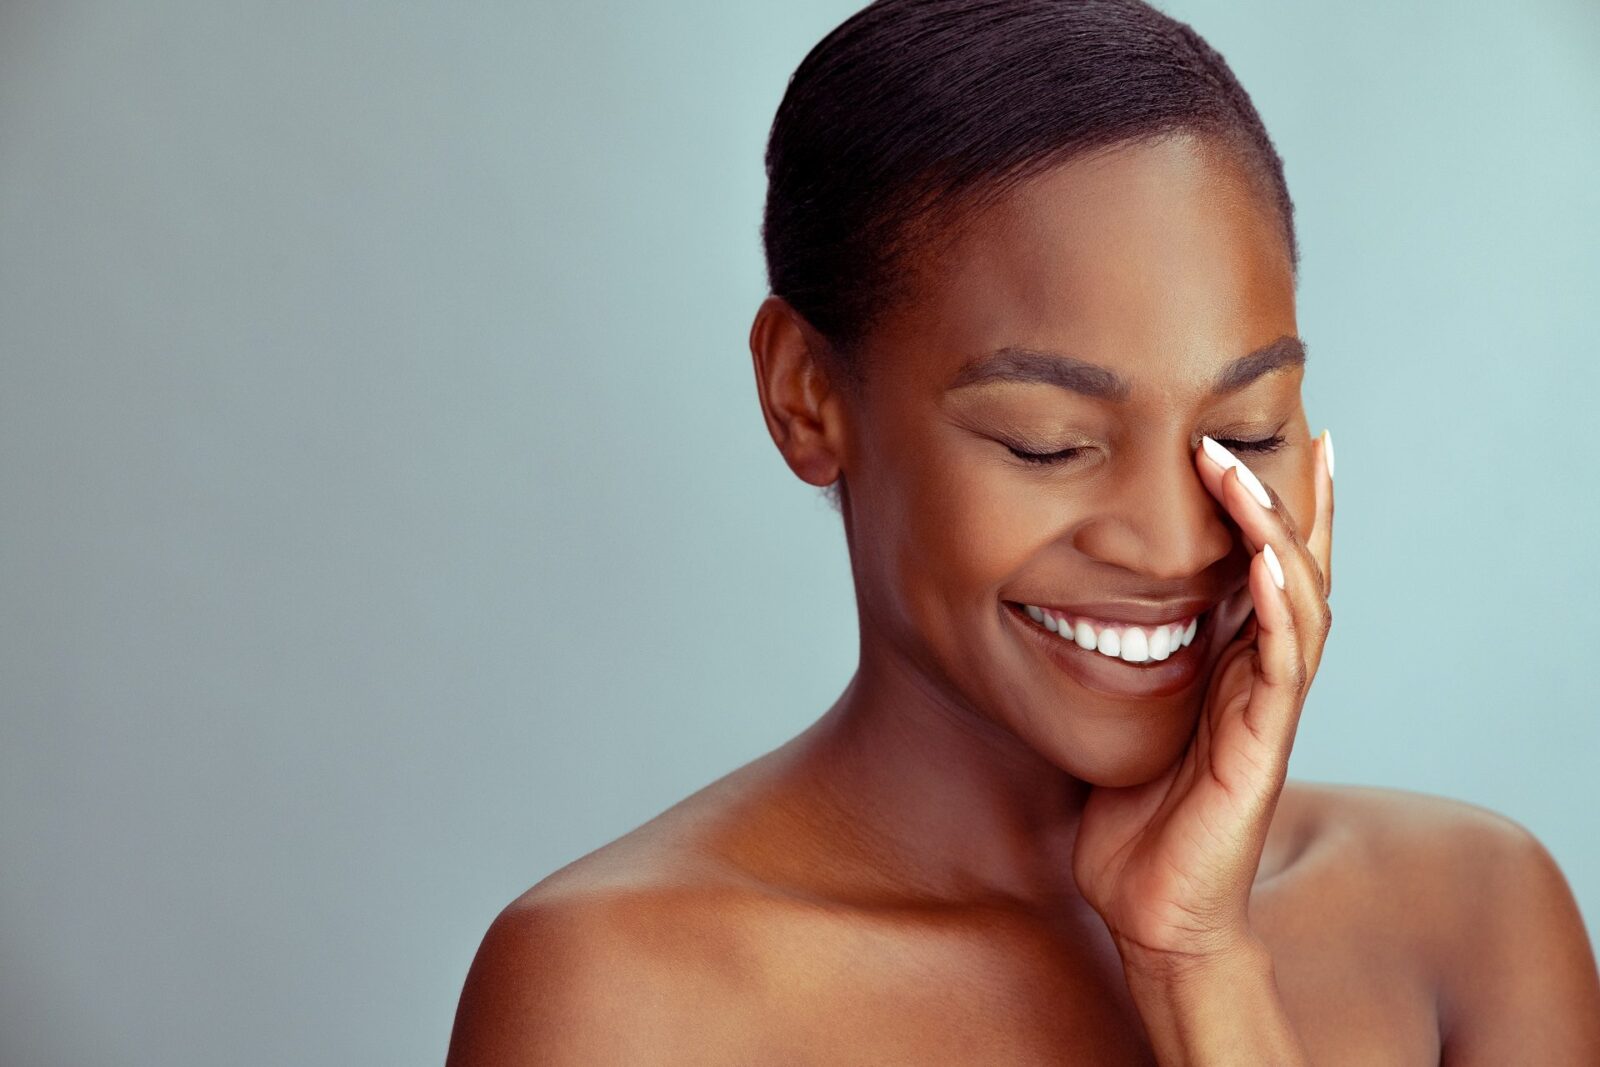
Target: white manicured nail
x: 1273, y: 565
x: 1226, y: 459
x: 1327, y: 450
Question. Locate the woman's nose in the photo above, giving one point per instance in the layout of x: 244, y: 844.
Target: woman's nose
x: 1158, y: 519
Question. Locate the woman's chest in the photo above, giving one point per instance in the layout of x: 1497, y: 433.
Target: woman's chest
x: 1006, y: 999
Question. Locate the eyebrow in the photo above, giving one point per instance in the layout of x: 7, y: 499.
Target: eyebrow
x: 1018, y: 363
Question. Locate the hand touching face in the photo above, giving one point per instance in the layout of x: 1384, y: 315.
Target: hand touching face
x: 1169, y: 863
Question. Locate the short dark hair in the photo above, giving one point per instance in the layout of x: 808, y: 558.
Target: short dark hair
x: 913, y: 113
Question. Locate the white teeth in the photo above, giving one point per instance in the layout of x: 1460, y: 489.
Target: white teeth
x: 1083, y: 633
x: 1131, y: 644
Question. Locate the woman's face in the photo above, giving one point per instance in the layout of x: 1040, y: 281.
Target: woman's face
x: 1156, y: 268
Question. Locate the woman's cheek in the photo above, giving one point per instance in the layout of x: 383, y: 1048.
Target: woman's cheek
x: 997, y: 521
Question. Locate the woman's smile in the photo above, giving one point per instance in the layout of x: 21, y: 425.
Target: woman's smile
x: 1118, y: 659
x: 1135, y: 640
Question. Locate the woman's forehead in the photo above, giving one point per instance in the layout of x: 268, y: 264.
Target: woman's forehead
x: 1150, y: 247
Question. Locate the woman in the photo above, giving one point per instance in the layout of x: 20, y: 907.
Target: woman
x: 1032, y: 322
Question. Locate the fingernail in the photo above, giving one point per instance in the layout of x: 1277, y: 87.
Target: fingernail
x: 1226, y: 459
x: 1327, y: 450
x: 1272, y: 563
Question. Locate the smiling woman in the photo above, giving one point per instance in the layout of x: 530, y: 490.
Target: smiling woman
x: 1032, y: 325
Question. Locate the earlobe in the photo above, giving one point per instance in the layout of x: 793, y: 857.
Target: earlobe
x: 798, y: 401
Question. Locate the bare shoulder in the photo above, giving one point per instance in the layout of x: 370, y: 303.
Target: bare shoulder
x: 1484, y: 907
x: 1409, y: 833
x: 1445, y: 850
x: 607, y: 974
x: 1438, y: 861
x: 604, y: 959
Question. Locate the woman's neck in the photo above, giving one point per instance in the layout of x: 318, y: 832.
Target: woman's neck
x: 937, y: 797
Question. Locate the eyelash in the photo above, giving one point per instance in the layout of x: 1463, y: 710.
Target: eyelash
x: 1266, y: 444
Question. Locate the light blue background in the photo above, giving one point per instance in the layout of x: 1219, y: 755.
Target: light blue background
x: 387, y: 518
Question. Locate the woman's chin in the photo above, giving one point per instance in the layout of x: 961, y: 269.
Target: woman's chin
x: 1119, y: 751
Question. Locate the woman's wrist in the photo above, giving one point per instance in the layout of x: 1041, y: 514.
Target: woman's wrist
x: 1214, y: 1009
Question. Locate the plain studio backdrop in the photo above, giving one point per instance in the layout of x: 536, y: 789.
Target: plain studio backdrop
x: 387, y: 517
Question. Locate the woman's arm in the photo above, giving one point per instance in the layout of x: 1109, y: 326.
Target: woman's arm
x: 1224, y: 1010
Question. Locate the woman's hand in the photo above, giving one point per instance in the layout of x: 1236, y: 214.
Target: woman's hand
x: 1169, y: 864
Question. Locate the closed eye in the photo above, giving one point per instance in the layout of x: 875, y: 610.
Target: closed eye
x: 1045, y: 457
x: 1265, y: 444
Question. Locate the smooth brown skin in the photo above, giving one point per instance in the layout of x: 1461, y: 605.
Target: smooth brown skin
x: 895, y: 885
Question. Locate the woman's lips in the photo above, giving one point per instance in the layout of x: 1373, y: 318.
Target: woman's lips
x: 1114, y: 675
x: 1129, y: 641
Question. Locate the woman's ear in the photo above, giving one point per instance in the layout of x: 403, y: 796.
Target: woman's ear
x: 802, y: 405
